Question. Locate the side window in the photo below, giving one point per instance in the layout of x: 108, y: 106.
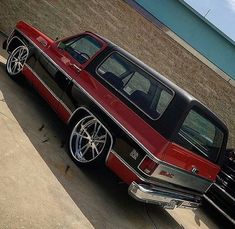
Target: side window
x: 201, y: 135
x: 164, y: 100
x: 136, y: 82
x: 82, y: 48
x: 114, y: 65
x: 136, y: 85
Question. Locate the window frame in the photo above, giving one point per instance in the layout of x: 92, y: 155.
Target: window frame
x: 206, y: 115
x: 78, y: 36
x: 148, y: 73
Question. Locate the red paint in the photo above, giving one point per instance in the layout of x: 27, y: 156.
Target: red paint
x: 63, y: 113
x: 121, y: 170
x: 29, y: 76
x: 185, y: 159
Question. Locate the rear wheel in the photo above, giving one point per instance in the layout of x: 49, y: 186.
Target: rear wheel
x: 89, y: 142
x: 16, y: 60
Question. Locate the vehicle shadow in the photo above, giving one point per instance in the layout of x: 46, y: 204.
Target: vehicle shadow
x: 207, y: 210
x: 98, y: 193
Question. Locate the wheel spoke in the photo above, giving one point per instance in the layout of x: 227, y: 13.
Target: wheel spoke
x: 14, y: 67
x: 84, y: 146
x: 94, y: 129
x: 85, y: 151
x: 85, y: 131
x: 98, y: 129
x: 101, y: 137
x: 93, y: 152
x: 80, y: 135
x: 13, y: 59
x: 95, y: 149
x: 21, y: 51
x: 99, y: 141
x: 20, y: 65
x: 24, y: 57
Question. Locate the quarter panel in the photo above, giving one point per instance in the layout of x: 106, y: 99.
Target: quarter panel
x: 187, y: 160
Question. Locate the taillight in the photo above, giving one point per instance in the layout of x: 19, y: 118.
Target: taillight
x: 148, y: 166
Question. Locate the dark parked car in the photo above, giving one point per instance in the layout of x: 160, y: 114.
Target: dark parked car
x: 222, y: 193
x: 160, y: 140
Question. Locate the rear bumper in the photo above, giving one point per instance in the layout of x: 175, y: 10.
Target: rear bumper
x: 166, y: 198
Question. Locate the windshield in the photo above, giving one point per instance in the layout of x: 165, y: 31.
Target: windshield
x: 82, y: 48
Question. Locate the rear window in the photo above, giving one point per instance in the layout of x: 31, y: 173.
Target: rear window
x: 202, y: 135
x: 139, y: 87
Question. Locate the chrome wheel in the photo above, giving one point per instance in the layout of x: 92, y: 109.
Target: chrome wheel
x: 88, y: 140
x: 16, y: 60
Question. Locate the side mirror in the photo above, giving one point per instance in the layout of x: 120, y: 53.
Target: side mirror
x: 61, y: 45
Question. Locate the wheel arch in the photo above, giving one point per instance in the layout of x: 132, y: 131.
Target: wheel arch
x: 82, y: 112
x: 15, y: 42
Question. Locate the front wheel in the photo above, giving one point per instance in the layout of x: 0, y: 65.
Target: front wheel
x: 16, y: 60
x: 89, y: 142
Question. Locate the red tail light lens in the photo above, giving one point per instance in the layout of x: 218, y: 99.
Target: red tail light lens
x: 148, y: 166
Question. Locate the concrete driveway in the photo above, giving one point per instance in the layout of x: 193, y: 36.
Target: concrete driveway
x: 40, y: 187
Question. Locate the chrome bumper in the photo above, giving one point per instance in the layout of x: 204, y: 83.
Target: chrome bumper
x: 166, y: 198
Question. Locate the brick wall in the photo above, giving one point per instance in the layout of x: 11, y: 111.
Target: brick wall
x: 123, y: 25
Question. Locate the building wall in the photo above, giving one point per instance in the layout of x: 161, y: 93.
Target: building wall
x: 120, y: 23
x: 195, y: 31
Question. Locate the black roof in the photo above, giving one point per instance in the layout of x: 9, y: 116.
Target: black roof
x: 182, y: 96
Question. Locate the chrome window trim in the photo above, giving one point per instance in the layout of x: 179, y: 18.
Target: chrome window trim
x: 148, y: 73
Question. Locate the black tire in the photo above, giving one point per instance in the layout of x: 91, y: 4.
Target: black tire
x: 15, y: 62
x: 88, y: 142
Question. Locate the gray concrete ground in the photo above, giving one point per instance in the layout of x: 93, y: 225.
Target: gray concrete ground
x: 40, y: 187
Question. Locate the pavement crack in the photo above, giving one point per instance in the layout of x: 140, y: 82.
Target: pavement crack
x: 62, y: 144
x: 41, y: 128
x: 46, y: 140
x: 66, y: 169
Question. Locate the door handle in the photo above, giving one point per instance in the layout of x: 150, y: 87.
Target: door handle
x: 42, y: 41
x: 195, y: 170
